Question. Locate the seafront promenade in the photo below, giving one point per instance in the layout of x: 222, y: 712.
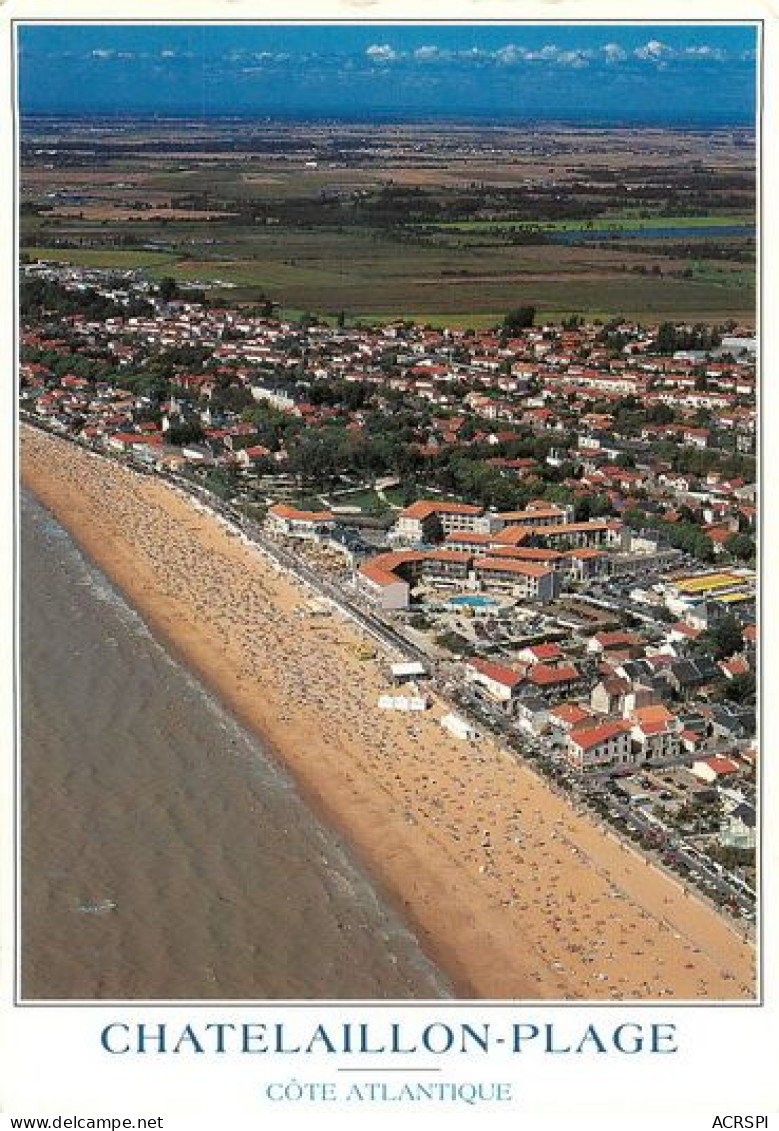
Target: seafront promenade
x: 510, y: 890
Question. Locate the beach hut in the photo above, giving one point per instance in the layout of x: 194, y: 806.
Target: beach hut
x: 458, y: 726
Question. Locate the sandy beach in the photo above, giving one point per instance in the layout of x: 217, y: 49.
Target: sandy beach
x: 509, y: 890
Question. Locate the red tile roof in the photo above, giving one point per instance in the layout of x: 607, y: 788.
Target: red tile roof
x: 684, y: 629
x: 448, y: 556
x: 281, y: 510
x: 692, y: 736
x: 546, y: 676
x: 525, y: 553
x: 616, y: 639
x: 496, y: 672
x: 570, y: 713
x: 459, y: 536
x: 545, y: 651
x: 512, y: 535
x: 531, y: 512
x: 525, y: 569
x: 586, y: 553
x: 588, y: 736
x: 378, y: 574
x: 721, y: 765
x: 423, y: 508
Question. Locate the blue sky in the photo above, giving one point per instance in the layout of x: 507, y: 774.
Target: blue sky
x: 691, y: 73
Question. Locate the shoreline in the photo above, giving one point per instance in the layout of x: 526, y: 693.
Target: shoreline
x: 496, y: 912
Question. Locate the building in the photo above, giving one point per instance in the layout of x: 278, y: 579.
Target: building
x: 739, y: 828
x: 540, y: 654
x: 554, y: 681
x: 532, y: 713
x: 431, y: 520
x: 587, y: 562
x: 655, y: 734
x: 407, y: 672
x: 541, y: 514
x: 387, y: 579
x: 608, y: 696
x: 500, y: 683
x: 604, y: 642
x: 299, y: 524
x: 594, y: 534
x: 463, y: 540
x: 446, y: 566
x: 459, y: 727
x: 602, y: 746
x: 569, y: 716
x: 522, y: 579
x: 712, y: 769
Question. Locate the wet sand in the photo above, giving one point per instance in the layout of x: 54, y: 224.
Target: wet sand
x: 509, y: 890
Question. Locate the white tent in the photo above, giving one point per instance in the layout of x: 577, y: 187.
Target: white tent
x: 407, y: 671
x: 402, y: 703
x: 460, y: 728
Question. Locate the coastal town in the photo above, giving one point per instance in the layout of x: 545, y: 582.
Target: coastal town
x: 548, y: 530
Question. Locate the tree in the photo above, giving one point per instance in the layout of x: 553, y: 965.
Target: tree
x: 168, y: 288
x: 660, y: 414
x: 741, y: 689
x: 521, y: 318
x: 741, y: 546
x: 184, y: 432
x: 725, y: 637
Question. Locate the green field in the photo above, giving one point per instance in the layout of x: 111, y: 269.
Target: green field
x: 621, y: 222
x: 368, y: 501
x: 379, y: 276
x: 109, y: 257
x: 380, y: 279
x: 362, y: 219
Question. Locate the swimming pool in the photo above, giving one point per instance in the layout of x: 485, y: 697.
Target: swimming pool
x: 474, y: 602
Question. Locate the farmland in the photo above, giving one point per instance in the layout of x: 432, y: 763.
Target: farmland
x: 448, y: 226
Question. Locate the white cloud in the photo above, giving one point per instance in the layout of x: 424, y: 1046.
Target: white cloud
x: 382, y: 52
x: 576, y: 59
x: 428, y: 52
x: 511, y: 54
x: 714, y: 53
x: 549, y: 53
x: 614, y: 53
x: 654, y: 50
x: 103, y: 53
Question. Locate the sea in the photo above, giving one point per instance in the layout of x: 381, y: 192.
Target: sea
x: 164, y: 854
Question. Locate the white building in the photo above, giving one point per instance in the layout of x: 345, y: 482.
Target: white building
x: 499, y: 682
x: 430, y: 520
x: 522, y: 579
x: 600, y: 746
x: 458, y: 726
x: 299, y: 524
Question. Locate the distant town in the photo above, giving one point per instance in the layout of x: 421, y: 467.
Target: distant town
x: 552, y: 526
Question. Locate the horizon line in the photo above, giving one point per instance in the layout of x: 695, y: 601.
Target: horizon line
x: 183, y: 114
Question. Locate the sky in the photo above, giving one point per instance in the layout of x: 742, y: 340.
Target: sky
x: 676, y: 73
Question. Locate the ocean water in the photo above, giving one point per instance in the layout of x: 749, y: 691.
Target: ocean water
x: 164, y: 854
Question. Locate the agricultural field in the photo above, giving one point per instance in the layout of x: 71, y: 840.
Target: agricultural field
x: 451, y: 227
